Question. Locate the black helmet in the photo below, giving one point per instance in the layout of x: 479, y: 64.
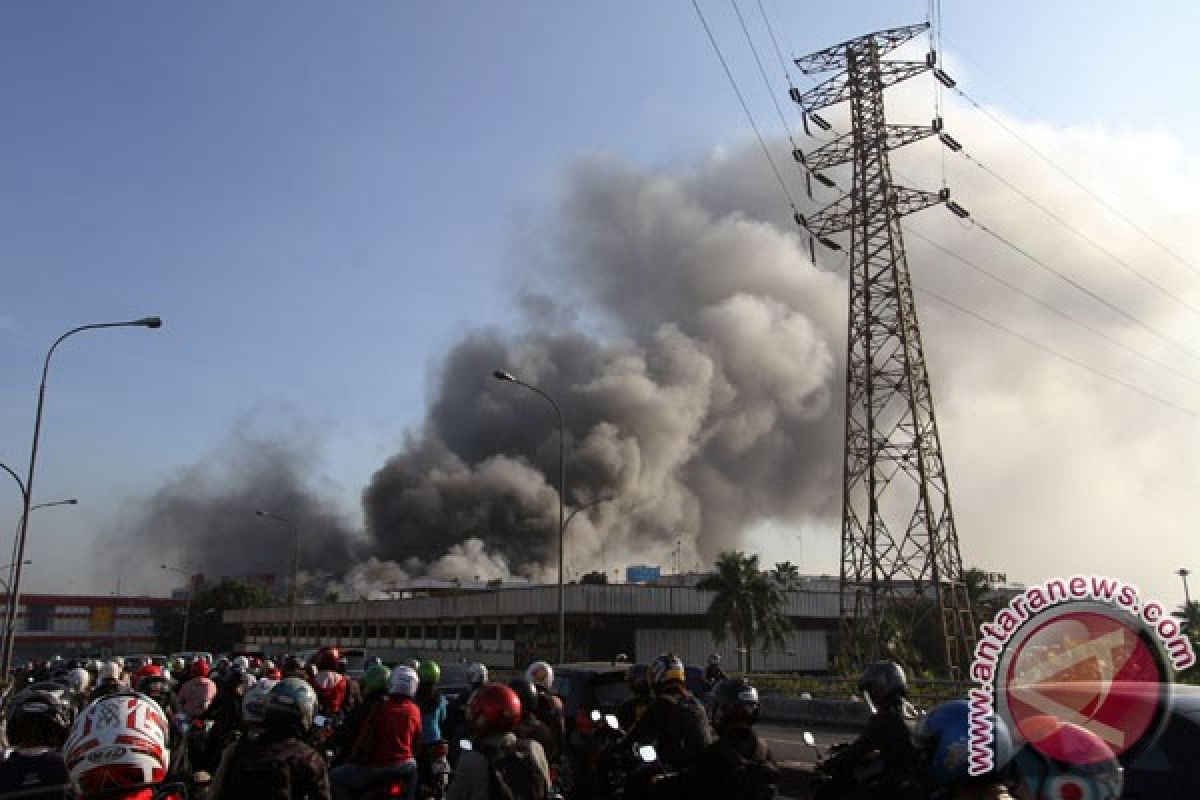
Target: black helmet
x: 883, y: 681
x: 526, y: 693
x: 291, y: 700
x: 158, y: 689
x: 638, y: 678
x: 734, y: 700
x: 39, y: 718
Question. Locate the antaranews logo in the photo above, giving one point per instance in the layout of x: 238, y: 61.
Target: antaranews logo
x: 1086, y: 650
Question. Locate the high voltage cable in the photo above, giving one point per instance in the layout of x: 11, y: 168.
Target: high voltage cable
x: 741, y: 99
x: 1069, y: 359
x: 1052, y: 308
x: 1115, y: 258
x: 1111, y: 209
x: 763, y: 72
x: 787, y: 75
x: 1158, y: 334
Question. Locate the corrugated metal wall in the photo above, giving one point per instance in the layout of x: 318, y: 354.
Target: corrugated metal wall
x: 805, y: 650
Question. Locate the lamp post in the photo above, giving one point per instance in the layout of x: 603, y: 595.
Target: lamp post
x: 144, y: 322
x: 508, y: 377
x: 1183, y: 572
x: 295, y: 568
x: 187, y: 608
x: 12, y: 565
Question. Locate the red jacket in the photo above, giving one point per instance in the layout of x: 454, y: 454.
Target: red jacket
x: 391, y: 733
x: 330, y: 687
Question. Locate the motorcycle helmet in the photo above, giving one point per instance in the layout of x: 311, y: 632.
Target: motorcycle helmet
x: 526, y: 693
x: 943, y: 736
x: 254, y: 704
x: 714, y: 659
x: 882, y: 681
x: 79, y: 680
x: 1082, y: 766
x: 540, y: 674
x: 430, y: 673
x: 403, y: 681
x: 375, y: 679
x: 158, y: 689
x: 733, y: 701
x: 39, y: 718
x: 666, y: 669
x: 493, y: 709
x: 293, y: 665
x: 638, y: 678
x: 477, y: 674
x: 291, y: 700
x: 200, y: 668
x: 120, y: 741
x: 110, y: 670
x: 242, y: 663
x: 327, y: 658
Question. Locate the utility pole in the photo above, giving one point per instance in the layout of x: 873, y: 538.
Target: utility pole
x: 898, y: 533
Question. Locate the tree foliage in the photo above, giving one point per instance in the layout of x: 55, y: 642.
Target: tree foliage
x: 749, y: 604
x: 206, y: 630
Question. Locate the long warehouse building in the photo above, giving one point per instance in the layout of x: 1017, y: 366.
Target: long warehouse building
x: 508, y: 627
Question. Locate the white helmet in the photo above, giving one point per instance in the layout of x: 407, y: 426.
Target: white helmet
x: 110, y: 670
x: 242, y: 663
x: 79, y: 680
x: 477, y: 674
x: 403, y: 680
x: 255, y: 701
x: 540, y: 674
x: 119, y: 740
x: 247, y: 681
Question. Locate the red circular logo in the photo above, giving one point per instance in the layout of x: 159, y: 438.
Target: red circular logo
x: 1092, y: 668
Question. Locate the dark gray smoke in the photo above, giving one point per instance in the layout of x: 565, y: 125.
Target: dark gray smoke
x: 203, y: 518
x: 702, y: 401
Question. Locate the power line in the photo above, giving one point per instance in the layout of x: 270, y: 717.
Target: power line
x: 1052, y: 308
x: 1060, y: 170
x: 1153, y: 331
x: 762, y: 71
x: 1096, y: 245
x: 746, y: 108
x: 1069, y: 359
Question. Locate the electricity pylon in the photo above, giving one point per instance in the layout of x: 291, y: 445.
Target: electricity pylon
x: 898, y: 533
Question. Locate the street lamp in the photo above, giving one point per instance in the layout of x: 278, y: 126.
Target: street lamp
x: 603, y: 499
x: 1183, y: 572
x: 11, y: 566
x: 144, y: 322
x: 508, y: 377
x: 295, y: 568
x: 187, y: 609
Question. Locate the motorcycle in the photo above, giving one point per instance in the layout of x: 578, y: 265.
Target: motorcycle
x: 433, y: 770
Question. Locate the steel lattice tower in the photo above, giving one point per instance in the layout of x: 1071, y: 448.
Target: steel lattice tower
x: 898, y: 533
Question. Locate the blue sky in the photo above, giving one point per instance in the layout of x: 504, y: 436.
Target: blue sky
x: 318, y: 198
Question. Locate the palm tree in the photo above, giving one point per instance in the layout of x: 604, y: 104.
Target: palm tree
x: 787, y: 575
x: 749, y: 604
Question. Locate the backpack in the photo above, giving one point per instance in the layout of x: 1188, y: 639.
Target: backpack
x: 512, y: 775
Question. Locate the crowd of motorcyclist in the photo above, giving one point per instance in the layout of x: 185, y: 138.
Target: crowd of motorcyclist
x: 249, y: 728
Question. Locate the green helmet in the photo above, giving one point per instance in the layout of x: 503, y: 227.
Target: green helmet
x: 429, y: 672
x: 375, y: 679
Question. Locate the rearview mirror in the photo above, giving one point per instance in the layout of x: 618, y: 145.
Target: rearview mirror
x: 612, y: 721
x: 647, y: 753
x: 809, y: 739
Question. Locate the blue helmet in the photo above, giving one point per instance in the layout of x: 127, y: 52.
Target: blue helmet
x: 944, y: 733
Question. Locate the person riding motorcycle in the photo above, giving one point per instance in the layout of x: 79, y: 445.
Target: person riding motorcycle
x: 119, y: 749
x: 108, y: 680
x: 374, y: 687
x: 738, y: 765
x: 884, y: 687
x: 80, y: 682
x: 386, y: 746
x: 492, y: 715
x: 329, y: 683
x: 640, y: 697
x: 943, y: 740
x: 276, y: 764
x: 456, y: 711
x: 549, y: 708
x: 675, y: 723
x: 529, y: 726
x: 158, y: 689
x: 713, y: 674
x: 431, y: 701
x: 38, y: 722
x: 198, y: 692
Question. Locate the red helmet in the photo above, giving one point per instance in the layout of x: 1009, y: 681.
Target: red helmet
x: 199, y: 668
x: 327, y: 658
x: 273, y: 674
x: 147, y: 671
x: 493, y: 708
